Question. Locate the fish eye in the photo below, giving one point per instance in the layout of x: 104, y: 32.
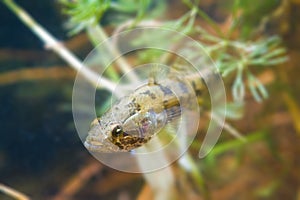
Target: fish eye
x: 117, y: 130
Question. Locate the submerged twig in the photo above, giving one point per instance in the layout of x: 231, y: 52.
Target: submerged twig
x: 161, y: 181
x: 13, y: 192
x: 35, y: 74
x: 232, y: 131
x: 98, y: 34
x: 54, y: 45
x: 78, y: 181
x: 146, y: 193
x: 57, y: 47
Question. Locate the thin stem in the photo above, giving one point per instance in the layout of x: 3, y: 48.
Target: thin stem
x: 234, y: 144
x: 36, y: 74
x: 13, y: 193
x: 188, y: 164
x: 227, y: 127
x: 204, y: 16
x: 96, y: 40
x: 78, y: 181
x: 100, y: 35
x: 161, y: 181
x: 166, y: 175
x: 53, y: 44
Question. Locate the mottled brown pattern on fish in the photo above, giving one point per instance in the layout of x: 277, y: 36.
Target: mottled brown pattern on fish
x: 161, y: 99
x: 129, y: 142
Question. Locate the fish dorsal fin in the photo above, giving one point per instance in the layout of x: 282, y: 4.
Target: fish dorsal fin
x: 152, y: 81
x: 157, y: 73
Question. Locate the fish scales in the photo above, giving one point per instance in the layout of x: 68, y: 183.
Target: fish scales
x: 134, y: 119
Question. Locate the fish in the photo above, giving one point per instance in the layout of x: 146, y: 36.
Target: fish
x: 134, y: 119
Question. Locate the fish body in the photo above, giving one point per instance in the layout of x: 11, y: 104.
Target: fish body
x: 134, y: 119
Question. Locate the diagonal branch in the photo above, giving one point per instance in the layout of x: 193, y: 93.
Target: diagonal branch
x: 57, y: 47
x: 13, y: 193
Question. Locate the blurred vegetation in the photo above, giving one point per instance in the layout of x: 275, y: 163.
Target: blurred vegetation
x: 245, y: 40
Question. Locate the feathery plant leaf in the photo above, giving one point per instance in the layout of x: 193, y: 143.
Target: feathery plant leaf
x: 83, y: 13
x: 238, y: 57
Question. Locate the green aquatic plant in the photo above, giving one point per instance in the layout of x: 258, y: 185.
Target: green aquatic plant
x: 83, y: 13
x: 238, y: 57
x: 235, y: 58
x: 232, y: 56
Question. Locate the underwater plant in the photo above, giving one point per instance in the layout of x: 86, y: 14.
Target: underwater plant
x: 236, y: 55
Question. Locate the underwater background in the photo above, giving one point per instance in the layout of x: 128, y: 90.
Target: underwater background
x: 42, y: 156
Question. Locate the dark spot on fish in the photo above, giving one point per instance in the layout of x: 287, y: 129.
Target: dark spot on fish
x: 134, y: 108
x: 194, y: 85
x: 153, y: 96
x: 132, y: 112
x: 183, y: 88
x: 138, y: 106
x: 148, y: 93
x: 119, y: 145
x: 165, y: 103
x: 165, y: 90
x: 198, y: 92
x: 173, y: 112
x: 196, y: 89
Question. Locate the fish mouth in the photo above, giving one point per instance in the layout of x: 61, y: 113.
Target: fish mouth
x: 93, y: 146
x: 96, y: 145
x: 92, y: 143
